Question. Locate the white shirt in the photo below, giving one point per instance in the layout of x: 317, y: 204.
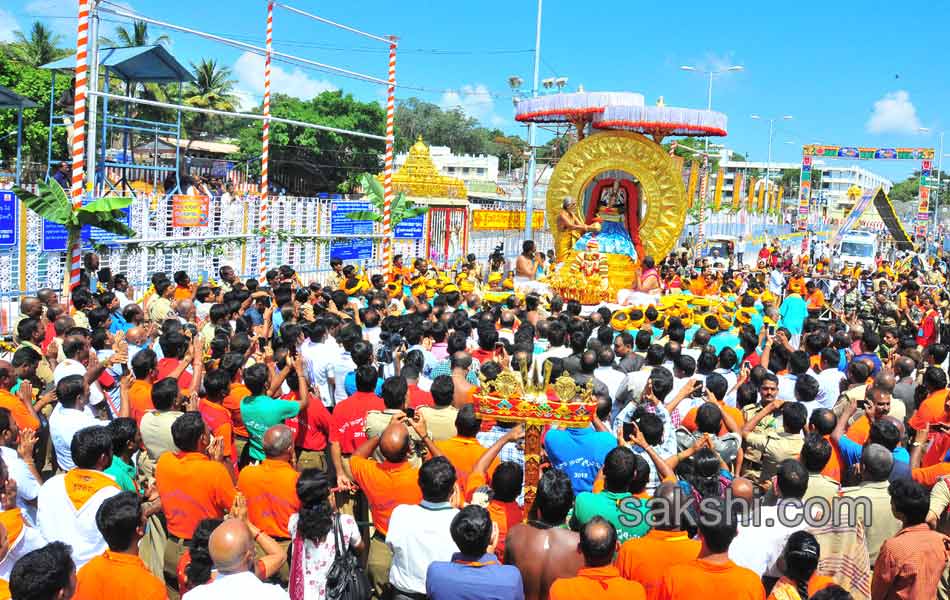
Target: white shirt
x: 558, y: 352
x: 74, y: 367
x: 122, y: 298
x: 829, y: 387
x: 758, y: 547
x: 63, y: 425
x: 786, y: 387
x: 776, y: 282
x: 341, y: 368
x: 27, y: 487
x: 59, y: 521
x: 318, y: 360
x: 612, y: 378
x: 29, y: 540
x: 371, y: 335
x: 237, y: 586
x: 731, y: 379
x: 418, y: 536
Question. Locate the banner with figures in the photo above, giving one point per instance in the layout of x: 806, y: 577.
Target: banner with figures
x: 859, y: 153
x: 190, y: 211
x: 804, y: 193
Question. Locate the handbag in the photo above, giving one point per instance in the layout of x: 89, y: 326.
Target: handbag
x: 345, y: 579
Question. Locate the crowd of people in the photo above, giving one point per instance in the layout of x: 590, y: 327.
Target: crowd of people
x: 754, y: 434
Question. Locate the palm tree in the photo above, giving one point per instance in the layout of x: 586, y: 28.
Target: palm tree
x: 213, y: 88
x: 41, y: 47
x: 136, y: 36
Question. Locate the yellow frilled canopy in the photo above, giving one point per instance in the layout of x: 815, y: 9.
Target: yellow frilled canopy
x: 419, y: 177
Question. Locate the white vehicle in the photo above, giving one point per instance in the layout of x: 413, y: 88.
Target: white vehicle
x: 857, y: 247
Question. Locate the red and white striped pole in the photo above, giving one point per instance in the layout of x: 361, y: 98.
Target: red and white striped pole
x: 79, y: 132
x: 389, y: 159
x: 265, y: 142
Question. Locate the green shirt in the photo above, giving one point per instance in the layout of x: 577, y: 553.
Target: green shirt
x: 260, y: 413
x: 123, y: 473
x: 627, y: 513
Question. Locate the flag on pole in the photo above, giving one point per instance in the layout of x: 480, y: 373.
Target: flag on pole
x: 737, y: 192
x: 717, y: 195
x: 691, y: 186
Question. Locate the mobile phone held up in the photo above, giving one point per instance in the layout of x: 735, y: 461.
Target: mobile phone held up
x: 629, y: 429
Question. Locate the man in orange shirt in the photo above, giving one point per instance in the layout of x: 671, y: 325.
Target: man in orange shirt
x: 935, y: 407
x: 183, y: 288
x: 598, y: 578
x: 880, y: 406
x: 646, y: 559
x: 463, y: 450
x: 194, y: 484
x: 387, y: 485
x: 712, y: 572
x: 506, y: 483
x: 21, y: 405
x: 119, y: 573
x: 233, y: 364
x: 271, y: 487
x: 814, y: 297
x: 216, y: 417
x: 140, y: 393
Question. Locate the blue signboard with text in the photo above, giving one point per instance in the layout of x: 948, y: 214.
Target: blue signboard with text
x: 341, y: 225
x: 352, y: 249
x: 410, y: 229
x: 8, y: 218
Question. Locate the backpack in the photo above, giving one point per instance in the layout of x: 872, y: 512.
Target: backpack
x: 345, y: 579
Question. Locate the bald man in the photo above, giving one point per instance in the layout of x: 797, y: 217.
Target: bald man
x: 542, y: 548
x: 880, y: 523
x: 232, y: 549
x: 668, y: 543
x: 388, y: 484
x: 599, y: 578
x: 271, y: 488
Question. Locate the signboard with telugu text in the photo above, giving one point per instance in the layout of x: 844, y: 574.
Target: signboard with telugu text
x: 190, y: 211
x: 410, y: 229
x: 54, y: 236
x: 8, y: 218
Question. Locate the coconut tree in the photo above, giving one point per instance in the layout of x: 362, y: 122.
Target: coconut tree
x: 38, y: 48
x: 402, y: 208
x: 52, y: 204
x: 213, y: 88
x: 137, y: 35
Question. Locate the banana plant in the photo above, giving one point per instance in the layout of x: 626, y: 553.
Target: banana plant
x: 402, y: 208
x: 52, y: 204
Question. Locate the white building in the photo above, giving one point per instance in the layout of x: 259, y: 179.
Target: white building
x: 832, y: 186
x: 478, y: 172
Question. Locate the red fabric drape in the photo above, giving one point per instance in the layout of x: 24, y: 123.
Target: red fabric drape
x: 633, y: 208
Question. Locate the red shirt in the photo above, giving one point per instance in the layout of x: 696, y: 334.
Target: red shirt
x: 312, y: 427
x: 166, y: 366
x: 927, y: 334
x: 483, y: 356
x: 418, y: 397
x: 349, y: 418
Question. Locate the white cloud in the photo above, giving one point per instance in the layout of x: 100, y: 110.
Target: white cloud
x: 894, y: 113
x: 8, y: 25
x: 475, y: 101
x: 249, y: 72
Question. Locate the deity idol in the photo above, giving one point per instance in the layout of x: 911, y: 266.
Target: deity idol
x: 613, y: 236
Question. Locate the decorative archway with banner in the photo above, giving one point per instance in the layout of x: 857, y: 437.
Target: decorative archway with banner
x: 810, y: 152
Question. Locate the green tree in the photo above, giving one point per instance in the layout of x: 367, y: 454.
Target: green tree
x: 41, y: 46
x: 213, y: 88
x: 34, y: 84
x: 137, y: 35
x: 332, y: 160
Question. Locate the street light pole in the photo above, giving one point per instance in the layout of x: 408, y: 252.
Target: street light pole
x: 532, y: 163
x: 768, y: 164
x: 937, y: 194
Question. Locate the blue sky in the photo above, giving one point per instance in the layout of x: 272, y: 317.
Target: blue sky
x: 867, y: 73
